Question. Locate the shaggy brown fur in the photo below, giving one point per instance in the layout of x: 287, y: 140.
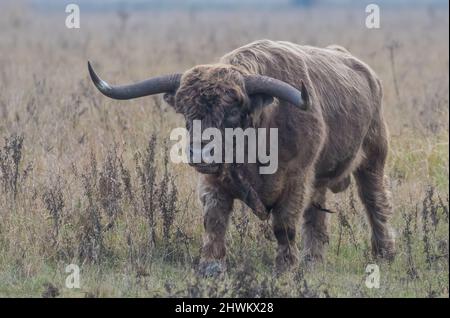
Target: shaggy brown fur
x: 342, y: 132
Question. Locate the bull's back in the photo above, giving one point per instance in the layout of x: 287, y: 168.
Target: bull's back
x: 344, y: 90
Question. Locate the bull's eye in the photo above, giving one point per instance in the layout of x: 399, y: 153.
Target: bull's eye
x: 234, y: 114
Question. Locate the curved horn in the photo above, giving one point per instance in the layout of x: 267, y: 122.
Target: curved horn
x: 259, y: 84
x: 155, y: 85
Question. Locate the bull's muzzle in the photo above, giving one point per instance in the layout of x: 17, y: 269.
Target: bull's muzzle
x: 202, y: 158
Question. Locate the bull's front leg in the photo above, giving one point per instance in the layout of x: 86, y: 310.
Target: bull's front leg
x: 285, y: 219
x: 217, y: 208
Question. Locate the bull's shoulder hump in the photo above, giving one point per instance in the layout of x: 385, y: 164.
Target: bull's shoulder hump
x: 259, y: 55
x: 338, y: 48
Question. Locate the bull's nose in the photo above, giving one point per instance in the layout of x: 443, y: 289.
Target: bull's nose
x: 189, y: 150
x: 194, y: 153
x: 200, y: 154
x: 208, y: 153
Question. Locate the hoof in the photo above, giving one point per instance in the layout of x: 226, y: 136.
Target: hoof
x: 310, y: 261
x: 386, y: 254
x: 384, y: 251
x: 211, y: 268
x: 285, y: 262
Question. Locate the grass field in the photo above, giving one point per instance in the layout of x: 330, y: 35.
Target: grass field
x: 85, y: 179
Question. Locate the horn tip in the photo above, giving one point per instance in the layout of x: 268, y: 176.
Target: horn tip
x: 91, y: 70
x: 98, y: 82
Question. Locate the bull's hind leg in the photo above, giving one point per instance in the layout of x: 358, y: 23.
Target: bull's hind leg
x: 375, y: 196
x: 217, y: 209
x: 315, y: 227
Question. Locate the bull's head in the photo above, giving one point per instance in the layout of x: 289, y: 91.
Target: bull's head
x: 221, y: 96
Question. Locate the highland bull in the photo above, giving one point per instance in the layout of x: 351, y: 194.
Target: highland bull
x: 327, y: 107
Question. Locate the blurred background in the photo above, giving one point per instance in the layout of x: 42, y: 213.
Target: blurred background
x: 228, y: 4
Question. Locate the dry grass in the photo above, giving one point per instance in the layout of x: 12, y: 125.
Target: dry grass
x: 85, y: 179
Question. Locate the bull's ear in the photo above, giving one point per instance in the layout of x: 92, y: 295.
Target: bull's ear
x: 259, y: 101
x: 169, y: 98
